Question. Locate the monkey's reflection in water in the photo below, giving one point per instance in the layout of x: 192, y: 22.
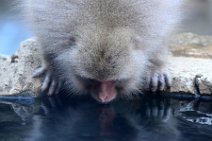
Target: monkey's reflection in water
x: 143, y: 120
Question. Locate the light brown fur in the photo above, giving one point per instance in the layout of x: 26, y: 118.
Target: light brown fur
x: 118, y: 42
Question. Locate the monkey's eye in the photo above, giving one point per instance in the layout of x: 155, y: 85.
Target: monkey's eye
x: 91, y: 81
x: 88, y: 82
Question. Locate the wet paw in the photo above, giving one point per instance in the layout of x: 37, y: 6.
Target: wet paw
x: 159, y: 81
x: 49, y: 85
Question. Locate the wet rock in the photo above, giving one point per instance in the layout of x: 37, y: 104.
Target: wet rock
x: 16, y: 72
x: 184, y: 70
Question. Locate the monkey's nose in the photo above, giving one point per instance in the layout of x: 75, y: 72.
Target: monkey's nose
x: 107, y: 91
x: 104, y: 98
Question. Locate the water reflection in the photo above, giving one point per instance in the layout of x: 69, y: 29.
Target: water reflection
x: 148, y: 119
x: 120, y: 121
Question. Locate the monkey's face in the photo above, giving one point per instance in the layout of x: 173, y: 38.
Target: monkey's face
x: 102, y: 91
x: 107, y: 67
x: 109, y: 88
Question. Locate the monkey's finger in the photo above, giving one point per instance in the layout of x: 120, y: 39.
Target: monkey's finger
x: 38, y: 72
x: 167, y: 79
x: 154, y: 82
x: 46, y: 82
x: 148, y: 81
x: 162, y: 82
x: 58, y: 87
x: 52, y: 88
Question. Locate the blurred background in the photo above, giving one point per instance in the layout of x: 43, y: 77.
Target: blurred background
x: 12, y: 29
x: 197, y: 27
x: 198, y: 17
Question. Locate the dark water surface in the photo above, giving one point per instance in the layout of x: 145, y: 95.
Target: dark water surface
x: 146, y: 119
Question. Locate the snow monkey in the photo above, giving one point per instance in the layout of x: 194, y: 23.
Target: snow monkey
x: 105, y: 48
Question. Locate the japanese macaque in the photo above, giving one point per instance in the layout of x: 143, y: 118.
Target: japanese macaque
x: 106, y: 48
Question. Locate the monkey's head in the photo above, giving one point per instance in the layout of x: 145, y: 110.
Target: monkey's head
x: 106, y: 64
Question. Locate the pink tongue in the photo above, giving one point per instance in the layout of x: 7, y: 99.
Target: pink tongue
x: 107, y: 91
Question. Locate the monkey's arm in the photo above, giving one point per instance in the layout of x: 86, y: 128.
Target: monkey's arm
x: 50, y: 84
x: 158, y: 77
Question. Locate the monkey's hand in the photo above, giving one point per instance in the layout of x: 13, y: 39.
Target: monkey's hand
x: 159, y: 81
x: 49, y: 84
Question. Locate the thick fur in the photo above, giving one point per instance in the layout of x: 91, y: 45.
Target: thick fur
x: 122, y: 40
